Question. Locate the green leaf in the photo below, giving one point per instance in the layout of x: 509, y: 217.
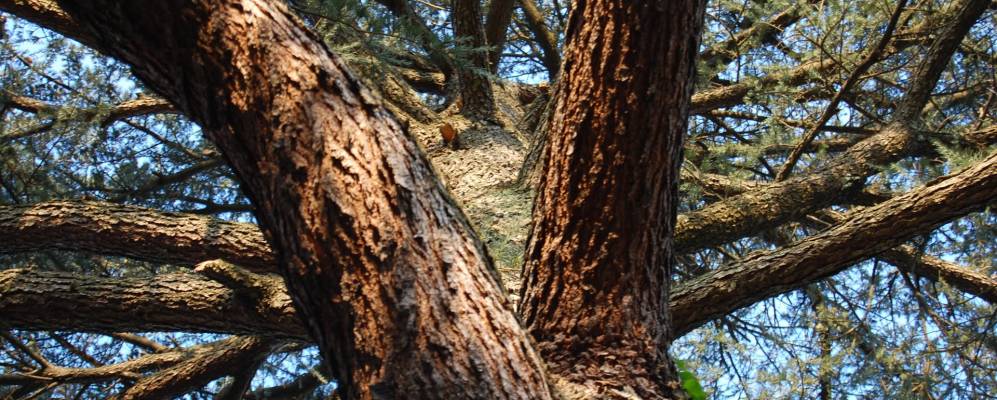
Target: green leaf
x: 690, y: 383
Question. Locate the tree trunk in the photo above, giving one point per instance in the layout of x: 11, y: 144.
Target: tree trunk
x: 383, y: 267
x: 496, y: 24
x: 474, y: 91
x: 599, y: 257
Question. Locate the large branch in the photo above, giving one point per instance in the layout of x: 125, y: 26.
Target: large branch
x: 35, y: 300
x: 753, y: 212
x: 49, y: 14
x: 379, y: 260
x: 38, y: 300
x: 865, y: 234
x: 935, y: 269
x: 134, y: 232
x: 904, y: 257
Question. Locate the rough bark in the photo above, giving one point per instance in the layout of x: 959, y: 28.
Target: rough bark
x: 134, y: 232
x: 599, y: 255
x: 937, y: 270
x: 393, y: 284
x: 400, y: 97
x: 37, y: 300
x: 904, y: 257
x: 474, y: 91
x: 863, y: 235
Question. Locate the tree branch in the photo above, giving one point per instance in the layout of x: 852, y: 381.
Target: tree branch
x: 36, y: 300
x: 863, y: 235
x: 222, y: 358
x: 753, y: 212
x: 134, y: 232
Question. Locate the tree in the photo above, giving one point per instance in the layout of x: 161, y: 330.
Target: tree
x: 360, y: 251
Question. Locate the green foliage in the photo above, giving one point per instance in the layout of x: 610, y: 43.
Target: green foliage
x: 689, y: 382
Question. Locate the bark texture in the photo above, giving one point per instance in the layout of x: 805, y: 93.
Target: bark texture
x: 225, y: 357
x: 599, y: 255
x: 392, y: 283
x: 170, y: 302
x: 134, y: 232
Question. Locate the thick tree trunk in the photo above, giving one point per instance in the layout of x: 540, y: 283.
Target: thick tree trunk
x: 598, y: 260
x: 392, y: 282
x: 474, y: 91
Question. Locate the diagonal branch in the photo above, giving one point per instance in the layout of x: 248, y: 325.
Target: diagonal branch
x: 223, y: 358
x: 865, y: 234
x: 754, y: 212
x: 831, y: 109
x: 544, y: 37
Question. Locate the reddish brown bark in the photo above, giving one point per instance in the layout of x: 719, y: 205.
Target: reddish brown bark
x: 389, y: 277
x: 599, y: 255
